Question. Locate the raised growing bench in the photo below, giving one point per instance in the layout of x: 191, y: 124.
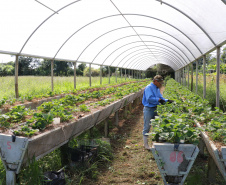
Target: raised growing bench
x: 16, y: 151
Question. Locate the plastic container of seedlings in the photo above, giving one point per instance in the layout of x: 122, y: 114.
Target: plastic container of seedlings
x: 85, y: 151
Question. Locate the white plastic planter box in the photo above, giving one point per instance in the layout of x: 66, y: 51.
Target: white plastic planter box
x: 174, y: 160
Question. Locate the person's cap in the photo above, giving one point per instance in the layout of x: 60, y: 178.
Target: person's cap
x: 159, y: 78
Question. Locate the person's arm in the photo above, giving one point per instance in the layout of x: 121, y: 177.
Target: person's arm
x: 150, y: 96
x: 162, y: 97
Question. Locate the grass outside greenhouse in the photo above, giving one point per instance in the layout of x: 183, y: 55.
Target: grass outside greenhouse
x: 38, y: 86
x: 211, y: 88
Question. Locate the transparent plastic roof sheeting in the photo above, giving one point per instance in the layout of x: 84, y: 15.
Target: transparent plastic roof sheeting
x: 133, y: 34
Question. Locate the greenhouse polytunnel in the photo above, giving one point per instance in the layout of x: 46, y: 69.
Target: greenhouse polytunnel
x: 124, y: 38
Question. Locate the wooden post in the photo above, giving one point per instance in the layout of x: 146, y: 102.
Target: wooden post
x: 74, y: 75
x: 218, y: 79
x: 106, y: 128
x: 191, y: 76
x: 130, y: 107
x: 52, y: 84
x: 121, y: 74
x: 183, y: 77
x: 125, y: 112
x: 197, y: 73
x: 90, y: 83
x: 116, y: 118
x: 109, y: 81
x: 64, y: 154
x: 211, y: 173
x: 204, y: 76
x: 116, y: 74
x: 91, y: 132
x: 188, y: 75
x: 100, y: 74
x: 201, y: 147
x: 16, y: 76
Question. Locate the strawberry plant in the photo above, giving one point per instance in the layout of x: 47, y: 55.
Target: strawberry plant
x: 64, y: 108
x: 174, y: 128
x: 3, y: 101
x: 217, y: 128
x: 4, y: 121
x: 96, y: 94
x: 214, y: 121
x: 25, y: 131
x: 17, y: 114
x: 84, y: 108
x: 40, y: 120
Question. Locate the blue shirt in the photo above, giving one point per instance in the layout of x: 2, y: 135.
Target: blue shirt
x: 151, y: 96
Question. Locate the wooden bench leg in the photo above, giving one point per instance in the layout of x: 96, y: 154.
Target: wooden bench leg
x: 211, y: 173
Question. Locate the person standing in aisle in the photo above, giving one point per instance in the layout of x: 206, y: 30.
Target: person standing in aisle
x: 151, y: 98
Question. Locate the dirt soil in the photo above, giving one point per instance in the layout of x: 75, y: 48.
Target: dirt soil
x: 132, y: 164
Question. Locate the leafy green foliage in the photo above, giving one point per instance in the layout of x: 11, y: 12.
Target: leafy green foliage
x: 25, y: 131
x: 4, y: 121
x: 176, y: 120
x: 174, y: 128
x: 84, y: 108
x: 40, y: 120
x: 64, y: 108
x: 2, y: 101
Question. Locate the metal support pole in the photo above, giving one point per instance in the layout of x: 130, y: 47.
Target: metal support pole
x: 204, y: 76
x: 52, y: 84
x: 74, y: 75
x: 218, y: 79
x: 188, y: 75
x: 197, y: 73
x: 185, y: 76
x: 125, y: 74
x: 100, y: 74
x: 90, y: 82
x: 16, y: 76
x: 191, y: 76
x: 132, y: 73
x: 109, y: 75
